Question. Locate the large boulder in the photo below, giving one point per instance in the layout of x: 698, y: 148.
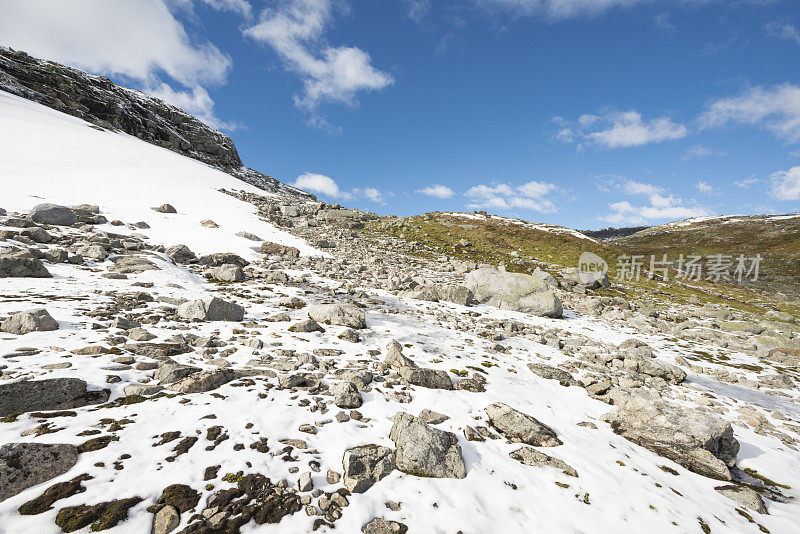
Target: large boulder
x: 365, y: 465
x: 274, y: 249
x: 553, y: 373
x: 132, y: 264
x: 701, y: 442
x: 519, y: 427
x: 48, y: 394
x: 230, y: 272
x: 23, y: 465
x: 221, y: 258
x: 180, y: 254
x: 514, y: 291
x: 346, y: 395
x: 427, y: 378
x: 213, y: 309
x: 21, y: 264
x: 171, y: 372
x: 52, y: 214
x: 650, y: 366
x: 204, y: 381
x: 423, y: 450
x: 348, y: 315
x: 37, y: 320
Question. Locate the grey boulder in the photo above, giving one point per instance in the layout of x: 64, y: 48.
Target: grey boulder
x: 365, y: 465
x: 23, y: 465
x: 48, y: 394
x: 346, y: 395
x: 427, y: 378
x: 21, y: 264
x: 699, y: 441
x: 348, y: 315
x: 513, y: 291
x: 213, y: 309
x: 423, y: 450
x: 180, y: 254
x: 52, y: 214
x: 745, y: 496
x: 38, y: 320
x: 519, y: 427
x: 229, y: 272
x: 532, y: 457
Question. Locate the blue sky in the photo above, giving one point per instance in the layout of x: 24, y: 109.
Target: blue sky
x: 586, y: 113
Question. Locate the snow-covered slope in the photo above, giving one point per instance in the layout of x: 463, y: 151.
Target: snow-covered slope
x: 47, y: 156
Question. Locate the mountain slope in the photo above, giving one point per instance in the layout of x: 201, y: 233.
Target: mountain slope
x: 48, y: 155
x: 775, y: 237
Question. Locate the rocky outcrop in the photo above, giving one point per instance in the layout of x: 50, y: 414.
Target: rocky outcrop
x: 23, y: 465
x: 97, y: 100
x: 514, y: 291
x: 699, y: 441
x: 47, y: 394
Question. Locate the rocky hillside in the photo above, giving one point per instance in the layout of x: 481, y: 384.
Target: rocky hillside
x: 774, y: 237
x: 99, y: 101
x: 181, y: 351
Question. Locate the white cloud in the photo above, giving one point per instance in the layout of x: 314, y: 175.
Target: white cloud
x: 786, y: 184
x: 194, y: 101
x: 783, y: 30
x: 329, y: 74
x: 436, y: 190
x: 747, y: 183
x: 138, y: 39
x: 418, y: 10
x: 775, y: 108
x: 532, y: 196
x: 619, y: 129
x: 370, y: 193
x: 317, y: 183
x: 660, y: 207
x: 327, y: 186
x: 704, y: 187
x: 700, y: 151
x: 556, y: 9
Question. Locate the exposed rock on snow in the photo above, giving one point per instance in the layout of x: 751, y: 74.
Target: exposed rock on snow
x: 423, y: 450
x: 514, y: 291
x: 700, y: 442
x: 365, y: 465
x: 23, y: 465
x: 348, y: 315
x: 213, y: 309
x: 52, y: 214
x: 21, y: 264
x: 47, y: 394
x: 534, y: 458
x: 519, y: 427
x: 745, y: 496
x: 38, y: 320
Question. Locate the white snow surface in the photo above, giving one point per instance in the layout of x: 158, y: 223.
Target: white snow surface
x: 48, y: 156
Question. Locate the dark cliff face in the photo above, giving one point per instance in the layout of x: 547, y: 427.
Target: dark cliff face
x: 97, y: 100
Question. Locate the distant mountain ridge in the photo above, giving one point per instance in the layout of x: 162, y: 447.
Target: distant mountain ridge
x: 98, y: 100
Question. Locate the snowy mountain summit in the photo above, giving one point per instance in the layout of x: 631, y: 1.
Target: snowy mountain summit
x: 187, y: 345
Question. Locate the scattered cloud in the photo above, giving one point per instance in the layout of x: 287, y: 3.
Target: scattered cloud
x: 661, y: 206
x: 418, y: 11
x: 555, y: 9
x: 532, y: 196
x: 370, y: 193
x: 317, y: 183
x: 327, y: 186
x: 618, y: 129
x: 775, y: 108
x: 746, y: 183
x: 329, y: 74
x: 436, y: 190
x: 664, y: 23
x: 700, y: 151
x: 783, y: 30
x: 785, y: 185
x: 704, y: 187
x: 140, y: 40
